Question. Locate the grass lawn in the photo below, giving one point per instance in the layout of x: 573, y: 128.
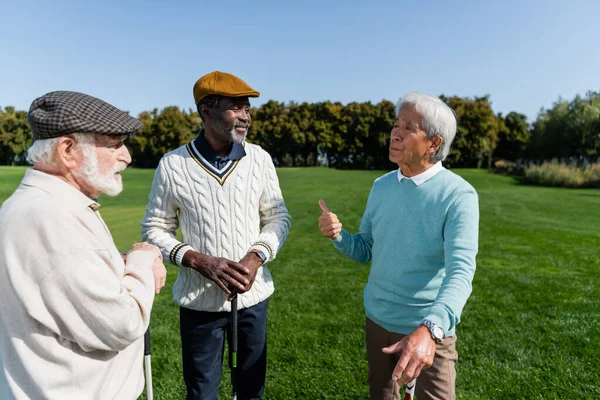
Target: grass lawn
x: 529, y: 331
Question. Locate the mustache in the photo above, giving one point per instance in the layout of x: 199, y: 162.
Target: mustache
x: 239, y: 123
x: 120, y: 168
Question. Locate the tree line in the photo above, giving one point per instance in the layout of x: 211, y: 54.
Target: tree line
x: 356, y: 135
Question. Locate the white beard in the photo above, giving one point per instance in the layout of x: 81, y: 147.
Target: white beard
x: 107, y: 183
x: 234, y: 135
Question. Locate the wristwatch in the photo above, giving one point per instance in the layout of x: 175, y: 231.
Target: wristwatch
x: 262, y: 256
x: 436, y: 332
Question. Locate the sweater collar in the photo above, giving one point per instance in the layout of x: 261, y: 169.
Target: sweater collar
x: 237, y: 150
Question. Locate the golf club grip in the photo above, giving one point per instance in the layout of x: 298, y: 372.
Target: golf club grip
x: 147, y: 342
x: 234, y: 324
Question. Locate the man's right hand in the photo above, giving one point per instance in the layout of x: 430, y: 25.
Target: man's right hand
x: 221, y: 271
x: 328, y: 222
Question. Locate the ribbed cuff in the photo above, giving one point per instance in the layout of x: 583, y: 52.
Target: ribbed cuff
x: 176, y: 254
x: 265, y: 248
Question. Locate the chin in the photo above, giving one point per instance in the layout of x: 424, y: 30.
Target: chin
x: 238, y: 138
x: 110, y: 187
x: 113, y: 191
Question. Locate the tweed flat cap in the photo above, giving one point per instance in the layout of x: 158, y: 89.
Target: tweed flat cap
x: 62, y: 113
x: 223, y: 84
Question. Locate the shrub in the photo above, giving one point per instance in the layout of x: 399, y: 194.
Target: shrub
x: 506, y: 167
x: 555, y: 174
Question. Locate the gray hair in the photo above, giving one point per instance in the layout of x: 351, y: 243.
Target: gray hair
x: 437, y: 119
x: 42, y: 151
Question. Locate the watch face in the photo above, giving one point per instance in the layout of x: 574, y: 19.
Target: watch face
x: 438, y: 332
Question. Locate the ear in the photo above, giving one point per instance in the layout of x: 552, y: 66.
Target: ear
x: 67, y: 153
x: 435, y: 144
x: 204, y: 110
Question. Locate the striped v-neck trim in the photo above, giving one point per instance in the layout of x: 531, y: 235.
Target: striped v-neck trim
x: 219, y: 174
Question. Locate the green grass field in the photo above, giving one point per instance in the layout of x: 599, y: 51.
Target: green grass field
x: 529, y: 331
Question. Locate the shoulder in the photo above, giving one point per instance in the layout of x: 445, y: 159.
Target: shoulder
x: 254, y: 148
x: 387, y: 178
x: 257, y: 153
x: 455, y: 192
x: 174, y: 157
x: 181, y: 151
x: 39, y: 217
x: 456, y: 183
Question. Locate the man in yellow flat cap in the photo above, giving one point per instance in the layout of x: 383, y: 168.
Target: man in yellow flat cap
x: 224, y: 194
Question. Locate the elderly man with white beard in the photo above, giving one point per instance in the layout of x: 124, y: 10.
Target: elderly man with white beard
x: 73, y: 310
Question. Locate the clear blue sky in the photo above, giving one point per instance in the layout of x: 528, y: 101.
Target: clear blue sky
x: 144, y: 54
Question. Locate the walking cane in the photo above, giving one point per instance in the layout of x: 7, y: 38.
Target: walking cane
x: 409, y: 392
x: 233, y: 347
x: 148, y: 364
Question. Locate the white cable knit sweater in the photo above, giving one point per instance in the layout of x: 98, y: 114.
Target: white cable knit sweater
x: 221, y: 213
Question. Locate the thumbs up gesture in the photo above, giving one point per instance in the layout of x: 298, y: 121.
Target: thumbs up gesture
x: 328, y: 222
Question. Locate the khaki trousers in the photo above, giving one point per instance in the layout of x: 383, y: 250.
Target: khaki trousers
x: 434, y: 383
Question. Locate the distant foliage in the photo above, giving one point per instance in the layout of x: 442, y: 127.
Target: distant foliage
x: 562, y: 175
x: 568, y: 130
x: 506, y: 167
x: 356, y: 135
x: 15, y: 136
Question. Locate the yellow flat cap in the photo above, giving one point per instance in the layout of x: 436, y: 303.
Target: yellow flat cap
x: 223, y: 84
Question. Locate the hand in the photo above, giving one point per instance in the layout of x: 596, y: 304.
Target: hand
x: 158, y: 268
x: 328, y: 222
x: 417, y: 351
x: 160, y: 274
x: 218, y: 269
x: 145, y: 246
x: 252, y: 261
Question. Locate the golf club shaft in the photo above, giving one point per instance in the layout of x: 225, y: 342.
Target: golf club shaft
x: 148, y: 365
x: 234, y: 345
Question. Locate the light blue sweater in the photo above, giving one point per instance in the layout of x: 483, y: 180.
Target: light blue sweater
x: 422, y: 241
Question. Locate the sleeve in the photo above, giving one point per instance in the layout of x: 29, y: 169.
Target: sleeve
x: 358, y: 247
x: 274, y: 217
x: 461, y: 232
x: 161, y: 221
x: 84, y: 298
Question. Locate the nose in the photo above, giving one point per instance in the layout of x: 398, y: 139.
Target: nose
x: 124, y: 156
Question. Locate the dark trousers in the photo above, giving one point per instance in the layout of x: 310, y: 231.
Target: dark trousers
x: 202, y: 345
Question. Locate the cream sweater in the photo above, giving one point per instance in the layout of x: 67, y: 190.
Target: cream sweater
x: 72, y: 314
x: 222, y: 213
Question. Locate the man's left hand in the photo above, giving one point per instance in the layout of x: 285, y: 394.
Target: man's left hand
x: 158, y: 270
x: 251, y: 261
x: 417, y: 351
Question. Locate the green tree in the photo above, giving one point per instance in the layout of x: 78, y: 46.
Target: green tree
x: 15, y: 136
x: 568, y: 129
x: 162, y: 132
x: 513, y: 137
x: 477, y: 134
